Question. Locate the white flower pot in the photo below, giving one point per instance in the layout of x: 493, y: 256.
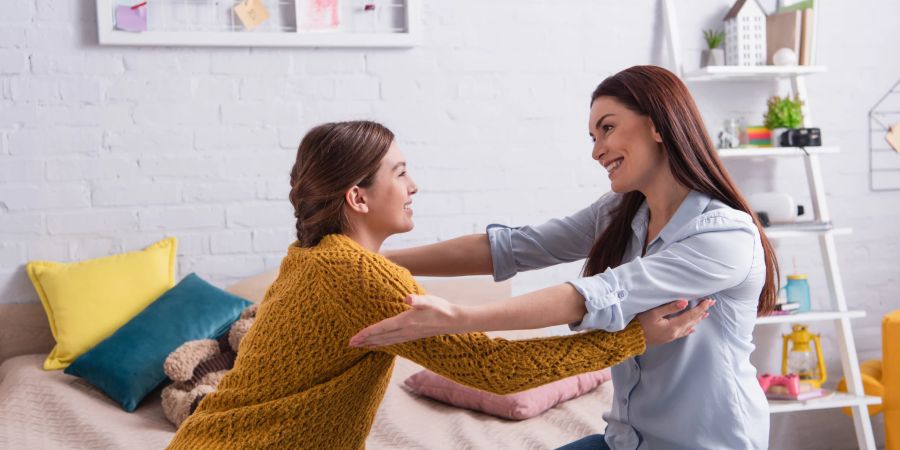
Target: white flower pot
x: 712, y: 57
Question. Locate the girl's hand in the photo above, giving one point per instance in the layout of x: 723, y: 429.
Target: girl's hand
x: 658, y: 329
x: 433, y: 316
x: 429, y: 316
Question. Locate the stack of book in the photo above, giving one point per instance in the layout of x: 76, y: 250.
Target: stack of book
x: 806, y: 393
x: 783, y: 307
x: 792, y: 27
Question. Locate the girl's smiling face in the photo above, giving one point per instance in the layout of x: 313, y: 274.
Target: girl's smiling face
x: 626, y: 144
x: 389, y: 197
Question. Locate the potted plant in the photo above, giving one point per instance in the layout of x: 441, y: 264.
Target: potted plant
x: 783, y: 113
x: 713, y: 56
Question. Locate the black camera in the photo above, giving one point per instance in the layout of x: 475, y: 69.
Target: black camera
x: 801, y: 137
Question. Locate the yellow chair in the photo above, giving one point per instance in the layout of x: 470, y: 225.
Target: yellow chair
x: 881, y: 378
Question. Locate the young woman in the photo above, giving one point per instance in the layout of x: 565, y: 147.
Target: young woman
x: 297, y: 384
x: 675, y: 225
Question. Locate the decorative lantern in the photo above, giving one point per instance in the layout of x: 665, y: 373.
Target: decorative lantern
x: 800, y: 360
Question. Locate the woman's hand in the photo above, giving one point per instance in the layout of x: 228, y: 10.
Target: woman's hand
x: 658, y: 329
x: 429, y: 316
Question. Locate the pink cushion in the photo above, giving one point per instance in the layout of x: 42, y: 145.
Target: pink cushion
x: 518, y: 406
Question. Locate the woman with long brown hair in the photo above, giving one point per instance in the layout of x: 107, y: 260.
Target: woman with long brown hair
x: 296, y: 383
x: 675, y: 226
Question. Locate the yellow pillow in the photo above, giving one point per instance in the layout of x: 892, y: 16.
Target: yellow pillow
x: 89, y: 300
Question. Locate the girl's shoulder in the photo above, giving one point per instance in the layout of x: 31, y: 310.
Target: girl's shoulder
x: 344, y: 265
x: 381, y: 274
x: 338, y: 254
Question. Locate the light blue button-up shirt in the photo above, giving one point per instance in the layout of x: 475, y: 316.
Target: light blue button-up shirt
x: 699, y: 392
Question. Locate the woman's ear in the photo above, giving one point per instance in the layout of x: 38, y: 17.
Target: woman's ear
x: 656, y: 136
x: 356, y: 200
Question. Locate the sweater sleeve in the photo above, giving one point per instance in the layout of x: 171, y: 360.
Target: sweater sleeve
x: 498, y: 365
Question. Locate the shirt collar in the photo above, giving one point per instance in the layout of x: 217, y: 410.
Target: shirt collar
x: 641, y: 221
x: 692, y: 206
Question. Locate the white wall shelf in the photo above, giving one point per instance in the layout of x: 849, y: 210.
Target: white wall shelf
x: 749, y: 73
x: 216, y: 26
x: 231, y: 39
x: 805, y: 229
x: 812, y: 316
x: 836, y: 400
x: 764, y: 152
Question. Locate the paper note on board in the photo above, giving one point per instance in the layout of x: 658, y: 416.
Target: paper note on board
x: 131, y: 19
x: 893, y: 137
x: 321, y: 15
x: 251, y: 13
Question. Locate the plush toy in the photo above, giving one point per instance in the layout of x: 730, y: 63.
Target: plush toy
x: 196, y: 367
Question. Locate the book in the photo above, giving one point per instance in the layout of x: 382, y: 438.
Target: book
x: 796, y: 6
x: 807, y: 38
x: 806, y: 395
x: 783, y: 30
x: 787, y: 307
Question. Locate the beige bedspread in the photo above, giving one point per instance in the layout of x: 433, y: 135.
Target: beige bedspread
x: 52, y: 410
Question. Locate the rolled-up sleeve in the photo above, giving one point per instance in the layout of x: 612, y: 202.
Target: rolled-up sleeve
x: 715, y: 255
x: 518, y: 249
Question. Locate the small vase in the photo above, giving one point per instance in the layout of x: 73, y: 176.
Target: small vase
x: 712, y: 57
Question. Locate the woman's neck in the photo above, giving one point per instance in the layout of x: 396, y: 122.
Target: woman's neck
x: 664, y: 196
x: 367, y: 239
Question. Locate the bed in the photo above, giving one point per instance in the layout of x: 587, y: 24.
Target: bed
x: 52, y: 410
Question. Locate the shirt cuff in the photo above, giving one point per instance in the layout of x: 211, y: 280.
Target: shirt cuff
x: 601, y: 300
x: 501, y: 251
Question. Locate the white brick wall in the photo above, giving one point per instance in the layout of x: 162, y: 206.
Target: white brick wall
x: 107, y: 149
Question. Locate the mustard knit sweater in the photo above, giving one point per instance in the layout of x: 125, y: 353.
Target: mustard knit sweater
x: 298, y: 384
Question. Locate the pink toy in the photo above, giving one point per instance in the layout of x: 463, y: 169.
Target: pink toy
x: 790, y: 381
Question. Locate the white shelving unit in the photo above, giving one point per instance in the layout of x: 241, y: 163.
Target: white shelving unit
x: 833, y: 309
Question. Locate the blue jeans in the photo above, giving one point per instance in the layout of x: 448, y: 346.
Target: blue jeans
x: 592, y: 442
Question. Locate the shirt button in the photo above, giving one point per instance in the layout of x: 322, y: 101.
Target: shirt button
x: 621, y: 294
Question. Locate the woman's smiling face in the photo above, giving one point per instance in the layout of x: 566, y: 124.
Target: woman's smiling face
x: 626, y: 144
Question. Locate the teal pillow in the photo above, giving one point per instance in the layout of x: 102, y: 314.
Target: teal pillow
x: 129, y: 364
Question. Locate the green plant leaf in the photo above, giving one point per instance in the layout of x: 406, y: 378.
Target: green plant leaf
x: 714, y: 38
x: 784, y: 112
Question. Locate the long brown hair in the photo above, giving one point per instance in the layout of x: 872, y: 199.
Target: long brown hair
x: 332, y: 158
x: 658, y: 94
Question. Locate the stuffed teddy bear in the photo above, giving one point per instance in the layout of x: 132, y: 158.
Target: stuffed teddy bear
x: 196, y: 367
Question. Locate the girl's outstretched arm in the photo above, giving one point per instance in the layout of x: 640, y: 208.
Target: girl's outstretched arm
x: 434, y: 316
